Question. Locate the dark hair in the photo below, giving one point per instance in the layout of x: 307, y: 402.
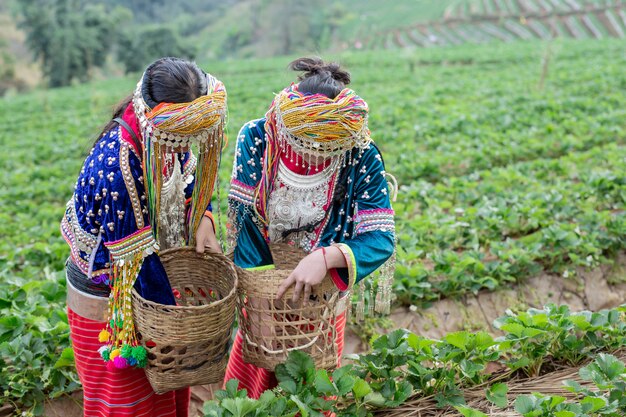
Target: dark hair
x: 320, y: 77
x: 166, y: 80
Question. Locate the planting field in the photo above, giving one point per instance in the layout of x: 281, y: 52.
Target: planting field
x: 482, y: 21
x: 511, y: 160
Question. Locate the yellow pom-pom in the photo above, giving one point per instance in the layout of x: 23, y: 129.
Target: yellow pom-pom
x: 114, y: 354
x: 104, y: 336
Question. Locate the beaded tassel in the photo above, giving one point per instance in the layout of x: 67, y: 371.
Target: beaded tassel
x: 360, y: 306
x: 206, y: 176
x: 122, y: 348
x: 385, y: 282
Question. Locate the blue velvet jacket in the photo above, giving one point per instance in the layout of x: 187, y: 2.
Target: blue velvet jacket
x: 361, y: 225
x: 107, y: 217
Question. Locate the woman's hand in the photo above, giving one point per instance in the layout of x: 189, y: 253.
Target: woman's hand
x: 205, y: 237
x: 311, y: 271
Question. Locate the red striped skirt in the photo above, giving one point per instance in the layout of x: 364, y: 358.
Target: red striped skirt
x: 121, y: 392
x: 257, y: 380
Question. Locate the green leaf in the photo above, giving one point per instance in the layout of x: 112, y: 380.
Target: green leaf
x: 323, y: 384
x: 300, y: 366
x: 564, y: 413
x: 593, y: 404
x: 610, y: 366
x: 556, y: 400
x: 344, y: 384
x: 515, y: 329
x: 470, y: 369
x: 11, y: 325
x: 532, y: 332
x: 497, y: 394
x: 484, y: 340
x: 470, y: 412
x: 458, y: 339
x: 375, y: 398
x: 304, y: 409
x: 66, y: 358
x: 289, y: 386
x: 361, y: 388
x: 524, y: 404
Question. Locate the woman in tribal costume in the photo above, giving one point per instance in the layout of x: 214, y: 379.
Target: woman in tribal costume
x: 141, y: 189
x: 309, y: 175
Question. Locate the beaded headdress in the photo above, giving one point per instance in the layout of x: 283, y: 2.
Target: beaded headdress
x: 313, y: 128
x: 168, y: 127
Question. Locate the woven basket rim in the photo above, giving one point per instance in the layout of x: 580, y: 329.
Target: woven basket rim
x: 231, y: 294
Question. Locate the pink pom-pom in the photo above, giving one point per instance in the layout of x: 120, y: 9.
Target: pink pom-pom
x: 120, y: 363
x: 110, y: 366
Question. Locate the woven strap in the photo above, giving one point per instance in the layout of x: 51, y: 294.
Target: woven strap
x: 132, y: 133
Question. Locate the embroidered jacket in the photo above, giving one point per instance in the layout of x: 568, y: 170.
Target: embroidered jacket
x: 106, y: 220
x: 362, y: 225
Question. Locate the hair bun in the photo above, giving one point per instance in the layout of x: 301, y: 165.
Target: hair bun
x: 337, y: 72
x: 312, y: 66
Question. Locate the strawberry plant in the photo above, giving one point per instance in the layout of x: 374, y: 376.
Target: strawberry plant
x: 403, y: 365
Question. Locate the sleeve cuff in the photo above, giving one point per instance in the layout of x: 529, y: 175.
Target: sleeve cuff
x: 338, y: 274
x: 210, y: 216
x: 261, y: 268
x: 140, y: 241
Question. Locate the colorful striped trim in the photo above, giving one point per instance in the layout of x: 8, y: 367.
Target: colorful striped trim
x: 241, y: 192
x: 371, y: 220
x: 350, y: 262
x: 139, y: 241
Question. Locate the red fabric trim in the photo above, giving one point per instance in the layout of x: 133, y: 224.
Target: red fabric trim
x: 119, y: 393
x: 130, y: 118
x: 258, y: 380
x: 334, y: 275
x: 302, y: 165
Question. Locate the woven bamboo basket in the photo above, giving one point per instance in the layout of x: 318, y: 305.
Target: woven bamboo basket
x: 272, y: 328
x: 188, y: 343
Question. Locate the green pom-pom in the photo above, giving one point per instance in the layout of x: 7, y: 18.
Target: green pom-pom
x: 142, y: 363
x: 105, y: 354
x: 126, y: 351
x: 112, y: 324
x: 139, y: 353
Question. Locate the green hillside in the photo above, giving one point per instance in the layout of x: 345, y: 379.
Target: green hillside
x: 503, y: 174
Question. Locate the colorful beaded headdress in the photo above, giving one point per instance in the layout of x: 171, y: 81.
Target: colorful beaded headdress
x: 314, y: 128
x: 169, y: 126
